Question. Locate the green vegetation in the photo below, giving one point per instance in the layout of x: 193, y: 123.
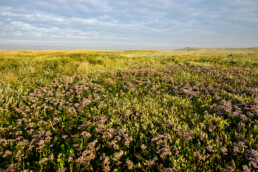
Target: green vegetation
x: 87, y: 110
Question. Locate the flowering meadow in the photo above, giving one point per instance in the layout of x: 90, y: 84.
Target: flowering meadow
x: 86, y: 110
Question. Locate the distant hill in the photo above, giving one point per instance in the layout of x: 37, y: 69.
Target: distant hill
x: 195, y: 48
x: 252, y: 48
x: 191, y: 48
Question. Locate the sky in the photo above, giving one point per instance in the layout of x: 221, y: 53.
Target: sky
x: 128, y: 24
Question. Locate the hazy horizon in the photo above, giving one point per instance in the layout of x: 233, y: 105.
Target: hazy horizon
x: 128, y: 25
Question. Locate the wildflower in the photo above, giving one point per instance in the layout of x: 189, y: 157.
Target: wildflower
x: 233, y: 114
x: 132, y: 89
x: 177, y: 151
x: 13, y: 167
x: 51, y: 157
x: 105, y: 163
x: 241, y: 126
x: 56, y: 120
x: 19, y: 121
x: 122, y: 131
x: 253, y: 157
x: 143, y: 147
x: 100, y: 128
x: 212, y: 127
x: 41, y: 143
x: 210, y: 148
x: 228, y: 106
x: 127, y: 115
x: 7, y: 153
x: 102, y: 119
x: 164, y: 151
x: 118, y: 163
x: 235, y: 150
x: 152, y: 162
x: 62, y: 169
x: 70, y: 159
x: 71, y: 111
x: 228, y: 169
x: 224, y: 150
x: 129, y: 163
x: 23, y: 143
x: 203, y: 135
x: 82, y: 127
x: 167, y: 136
x: 245, y: 169
x: 118, y: 155
x: 169, y: 169
x: 205, y: 112
x: 109, y: 81
x: 25, y: 170
x: 117, y: 138
x: 127, y: 142
x: 198, y: 155
x: 85, y: 134
x: 186, y: 134
x: 241, y: 145
x: 19, y: 154
x: 65, y: 137
x: 243, y: 117
x: 48, y: 133
x: 113, y: 144
x: 43, y: 160
x: 169, y: 123
x: 252, y: 153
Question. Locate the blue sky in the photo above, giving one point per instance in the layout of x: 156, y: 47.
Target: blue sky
x: 127, y: 24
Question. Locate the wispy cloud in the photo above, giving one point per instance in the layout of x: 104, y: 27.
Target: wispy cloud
x: 149, y: 24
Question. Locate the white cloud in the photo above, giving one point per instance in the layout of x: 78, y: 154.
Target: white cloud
x: 167, y: 22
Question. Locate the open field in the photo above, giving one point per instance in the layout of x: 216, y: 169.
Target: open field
x: 87, y: 110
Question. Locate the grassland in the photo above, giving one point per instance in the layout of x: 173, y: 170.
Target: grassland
x: 87, y: 110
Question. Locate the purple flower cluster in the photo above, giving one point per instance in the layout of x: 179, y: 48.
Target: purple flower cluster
x: 144, y: 119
